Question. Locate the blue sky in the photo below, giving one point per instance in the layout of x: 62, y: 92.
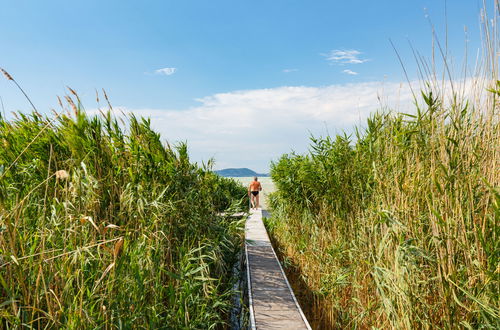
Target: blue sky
x: 234, y: 66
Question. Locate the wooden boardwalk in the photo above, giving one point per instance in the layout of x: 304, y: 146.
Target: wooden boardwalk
x: 272, y: 303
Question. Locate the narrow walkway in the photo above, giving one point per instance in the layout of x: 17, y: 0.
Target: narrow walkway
x: 271, y: 299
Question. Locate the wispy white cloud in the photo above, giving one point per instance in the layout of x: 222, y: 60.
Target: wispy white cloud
x: 166, y: 71
x: 251, y: 127
x: 344, y: 56
x: 350, y: 72
x: 290, y: 70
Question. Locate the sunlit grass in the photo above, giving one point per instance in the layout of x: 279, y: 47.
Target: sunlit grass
x: 104, y: 226
x: 398, y: 226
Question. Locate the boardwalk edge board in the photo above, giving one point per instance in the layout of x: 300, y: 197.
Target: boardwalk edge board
x: 249, y: 286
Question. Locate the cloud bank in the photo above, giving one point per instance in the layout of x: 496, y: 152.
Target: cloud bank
x: 249, y: 128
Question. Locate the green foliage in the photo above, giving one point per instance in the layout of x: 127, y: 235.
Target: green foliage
x: 106, y: 229
x: 397, y: 228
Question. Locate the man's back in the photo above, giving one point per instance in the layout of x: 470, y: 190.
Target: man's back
x: 255, y: 186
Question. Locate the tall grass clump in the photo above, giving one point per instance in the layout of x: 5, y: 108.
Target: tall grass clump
x: 103, y: 226
x: 398, y: 226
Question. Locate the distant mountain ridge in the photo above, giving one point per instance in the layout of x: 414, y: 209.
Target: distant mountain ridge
x: 239, y: 172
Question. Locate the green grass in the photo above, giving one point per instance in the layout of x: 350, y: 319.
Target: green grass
x: 103, y: 226
x: 397, y: 227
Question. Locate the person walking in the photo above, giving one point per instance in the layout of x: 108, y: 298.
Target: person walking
x: 253, y: 192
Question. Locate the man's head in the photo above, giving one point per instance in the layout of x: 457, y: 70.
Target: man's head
x: 255, y: 178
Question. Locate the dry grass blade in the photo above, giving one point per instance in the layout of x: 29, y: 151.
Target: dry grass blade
x: 82, y: 249
x: 72, y: 105
x: 118, y: 248
x: 106, y: 271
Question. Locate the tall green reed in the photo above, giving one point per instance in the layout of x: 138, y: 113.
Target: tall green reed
x: 102, y: 227
x: 398, y: 226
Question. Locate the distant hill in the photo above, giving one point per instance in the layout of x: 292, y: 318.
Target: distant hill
x: 239, y: 172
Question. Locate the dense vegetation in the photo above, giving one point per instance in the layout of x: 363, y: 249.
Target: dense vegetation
x: 107, y: 227
x: 398, y: 227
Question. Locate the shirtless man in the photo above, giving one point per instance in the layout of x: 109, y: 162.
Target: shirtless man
x: 253, y: 192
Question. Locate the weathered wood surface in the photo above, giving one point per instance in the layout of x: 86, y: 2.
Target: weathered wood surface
x: 272, y: 302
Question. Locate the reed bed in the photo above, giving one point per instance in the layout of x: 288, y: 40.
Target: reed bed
x: 103, y: 226
x: 398, y: 226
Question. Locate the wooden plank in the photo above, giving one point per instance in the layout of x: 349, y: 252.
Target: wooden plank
x: 272, y: 302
